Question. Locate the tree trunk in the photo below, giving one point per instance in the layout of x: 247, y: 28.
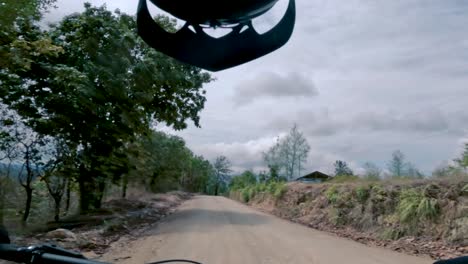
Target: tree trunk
x: 27, y: 209
x: 2, y: 202
x: 57, y: 201
x: 216, y: 186
x: 124, y: 186
x: 101, y: 183
x: 89, y: 191
x: 68, y: 194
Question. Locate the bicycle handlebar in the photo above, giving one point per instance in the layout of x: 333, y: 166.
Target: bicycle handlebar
x: 49, y: 254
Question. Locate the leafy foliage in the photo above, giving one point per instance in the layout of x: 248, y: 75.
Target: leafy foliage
x: 342, y: 168
x: 333, y: 194
x: 362, y: 193
x: 245, y: 179
x: 248, y: 187
x: 91, y: 82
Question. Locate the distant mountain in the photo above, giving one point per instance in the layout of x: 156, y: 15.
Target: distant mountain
x: 15, y: 170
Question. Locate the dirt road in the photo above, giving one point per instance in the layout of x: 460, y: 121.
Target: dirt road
x: 216, y: 230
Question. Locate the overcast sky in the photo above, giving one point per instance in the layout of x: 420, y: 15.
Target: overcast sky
x: 361, y: 78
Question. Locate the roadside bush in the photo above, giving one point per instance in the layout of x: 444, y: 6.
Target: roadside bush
x: 414, y: 207
x: 280, y: 190
x: 275, y: 189
x: 362, y: 193
x: 378, y: 193
x: 332, y: 195
x: 464, y: 190
x: 336, y: 216
x: 245, y: 194
x: 392, y: 234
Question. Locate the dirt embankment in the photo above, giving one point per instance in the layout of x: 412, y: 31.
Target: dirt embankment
x: 93, y: 233
x: 421, y: 218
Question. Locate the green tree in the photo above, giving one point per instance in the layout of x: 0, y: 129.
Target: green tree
x: 463, y: 160
x: 99, y: 87
x: 14, y: 16
x: 200, y: 174
x: 247, y: 178
x: 342, y: 168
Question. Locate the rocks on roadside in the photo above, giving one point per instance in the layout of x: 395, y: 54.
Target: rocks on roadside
x: 62, y: 234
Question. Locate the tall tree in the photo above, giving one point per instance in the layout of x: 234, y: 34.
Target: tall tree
x: 342, y: 168
x: 222, y: 167
x: 200, y: 173
x: 397, y: 165
x: 289, y: 154
x: 98, y: 87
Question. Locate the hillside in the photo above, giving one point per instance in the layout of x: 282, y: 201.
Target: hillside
x: 418, y: 217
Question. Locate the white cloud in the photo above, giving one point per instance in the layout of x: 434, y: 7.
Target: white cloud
x: 392, y: 75
x: 243, y: 155
x: 274, y: 85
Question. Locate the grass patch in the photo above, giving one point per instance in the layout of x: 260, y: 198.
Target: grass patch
x: 392, y: 234
x: 464, y: 190
x: 276, y: 189
x: 332, y: 195
x: 414, y: 207
x: 378, y: 193
x: 280, y: 190
x: 336, y: 216
x: 245, y: 194
x: 362, y: 193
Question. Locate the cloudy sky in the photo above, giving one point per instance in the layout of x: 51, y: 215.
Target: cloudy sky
x: 361, y: 78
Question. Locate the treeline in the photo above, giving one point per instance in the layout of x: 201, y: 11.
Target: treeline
x: 399, y: 168
x: 286, y: 159
x: 79, y: 102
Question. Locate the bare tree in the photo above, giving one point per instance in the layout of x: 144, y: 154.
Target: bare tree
x: 28, y: 148
x: 55, y: 174
x: 289, y: 154
x: 32, y: 163
x: 412, y: 171
x: 372, y: 171
x: 222, y: 167
x: 397, y: 165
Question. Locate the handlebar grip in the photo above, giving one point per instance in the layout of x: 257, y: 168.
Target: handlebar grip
x: 57, y: 259
x: 11, y: 253
x: 459, y: 260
